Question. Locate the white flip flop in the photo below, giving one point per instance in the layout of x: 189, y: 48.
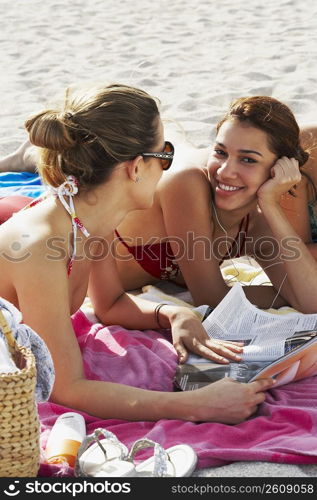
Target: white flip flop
x: 104, y: 458
x: 178, y: 461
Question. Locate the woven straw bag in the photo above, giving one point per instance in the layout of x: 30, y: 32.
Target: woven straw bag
x: 19, y: 423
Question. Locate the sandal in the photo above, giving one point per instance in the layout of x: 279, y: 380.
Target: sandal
x: 105, y: 458
x: 110, y: 458
x: 178, y: 461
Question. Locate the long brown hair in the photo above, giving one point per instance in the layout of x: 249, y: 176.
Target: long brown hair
x: 275, y: 119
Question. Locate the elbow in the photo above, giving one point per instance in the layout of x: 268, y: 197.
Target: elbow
x: 305, y: 307
x: 302, y: 303
x: 68, y: 393
x: 106, y: 313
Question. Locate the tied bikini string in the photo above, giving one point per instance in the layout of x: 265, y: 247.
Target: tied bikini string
x: 69, y: 188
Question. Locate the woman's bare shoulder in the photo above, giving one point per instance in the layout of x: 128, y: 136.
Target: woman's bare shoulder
x: 190, y: 179
x: 26, y: 247
x: 20, y: 233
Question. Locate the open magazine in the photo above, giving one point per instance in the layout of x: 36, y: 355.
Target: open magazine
x: 283, y: 346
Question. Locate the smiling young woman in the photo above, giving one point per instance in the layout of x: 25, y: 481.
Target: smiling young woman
x: 241, y: 162
x: 227, y: 207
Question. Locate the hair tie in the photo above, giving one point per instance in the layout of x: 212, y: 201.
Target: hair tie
x: 68, y: 115
x: 68, y: 187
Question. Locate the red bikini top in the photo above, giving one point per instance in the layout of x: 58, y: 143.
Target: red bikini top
x: 158, y: 259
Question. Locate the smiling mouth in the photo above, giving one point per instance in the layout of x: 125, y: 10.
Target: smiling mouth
x: 226, y: 187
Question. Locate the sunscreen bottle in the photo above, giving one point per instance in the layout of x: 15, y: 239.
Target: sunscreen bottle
x: 65, y: 438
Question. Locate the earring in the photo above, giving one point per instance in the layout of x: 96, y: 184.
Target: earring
x: 137, y: 179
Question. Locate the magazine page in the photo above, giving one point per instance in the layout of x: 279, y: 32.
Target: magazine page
x: 263, y: 333
x: 192, y: 376
x: 299, y: 361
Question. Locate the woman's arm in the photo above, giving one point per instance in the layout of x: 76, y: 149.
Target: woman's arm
x: 46, y: 309
x: 295, y: 208
x: 294, y: 272
x: 312, y: 247
x: 186, y: 204
x: 113, y: 306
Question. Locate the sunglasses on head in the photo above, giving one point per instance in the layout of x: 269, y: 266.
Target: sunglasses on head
x: 166, y: 156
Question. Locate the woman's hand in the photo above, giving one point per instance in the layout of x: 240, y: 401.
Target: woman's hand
x: 227, y: 401
x: 189, y: 335
x: 285, y: 174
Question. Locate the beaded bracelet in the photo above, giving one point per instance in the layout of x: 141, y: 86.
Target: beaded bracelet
x: 156, y: 312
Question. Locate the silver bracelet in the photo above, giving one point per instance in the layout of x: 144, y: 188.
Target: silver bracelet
x: 156, y: 312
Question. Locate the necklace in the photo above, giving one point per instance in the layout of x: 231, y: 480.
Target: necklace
x: 238, y: 242
x: 217, y: 218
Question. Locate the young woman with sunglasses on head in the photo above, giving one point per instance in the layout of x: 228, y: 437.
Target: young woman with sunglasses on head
x: 102, y: 155
x: 231, y: 206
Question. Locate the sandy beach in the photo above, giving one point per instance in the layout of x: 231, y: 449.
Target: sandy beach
x: 195, y: 57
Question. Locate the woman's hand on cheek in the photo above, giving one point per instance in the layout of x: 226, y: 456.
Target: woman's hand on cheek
x: 285, y: 174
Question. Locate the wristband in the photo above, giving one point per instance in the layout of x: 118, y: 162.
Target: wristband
x: 156, y: 312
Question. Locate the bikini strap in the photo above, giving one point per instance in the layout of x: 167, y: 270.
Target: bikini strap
x: 121, y: 239
x: 244, y: 232
x: 238, y: 239
x: 69, y: 188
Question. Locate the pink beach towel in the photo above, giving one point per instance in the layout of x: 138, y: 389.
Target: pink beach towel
x: 284, y: 429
